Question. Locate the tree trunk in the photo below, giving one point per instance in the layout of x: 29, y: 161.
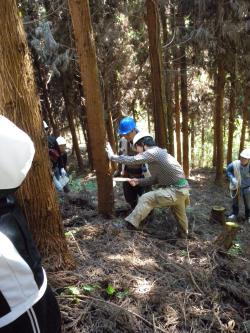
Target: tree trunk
x: 158, y: 90
x: 231, y: 117
x: 219, y: 121
x: 68, y: 95
x: 245, y: 116
x: 192, y: 141
x: 202, y: 144
x: 184, y: 109
x: 168, y: 85
x: 19, y: 101
x: 85, y: 44
x: 177, y: 110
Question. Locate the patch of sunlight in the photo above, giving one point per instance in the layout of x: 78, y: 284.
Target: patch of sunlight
x: 143, y: 286
x: 134, y: 260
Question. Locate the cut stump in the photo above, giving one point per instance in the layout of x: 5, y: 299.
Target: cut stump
x: 217, y: 214
x: 227, y: 236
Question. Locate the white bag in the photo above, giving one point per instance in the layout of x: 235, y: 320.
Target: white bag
x: 63, y: 180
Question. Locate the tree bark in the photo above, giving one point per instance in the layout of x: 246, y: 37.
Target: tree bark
x: 157, y: 82
x: 231, y: 117
x: 168, y: 85
x: 68, y: 95
x: 20, y: 103
x: 177, y: 109
x: 219, y: 112
x: 85, y: 44
x: 184, y: 109
x: 202, y: 144
x: 245, y: 116
x: 192, y: 141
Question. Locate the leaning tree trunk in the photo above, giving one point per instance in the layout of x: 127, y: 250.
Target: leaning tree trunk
x: 245, y: 116
x: 231, y: 118
x: 20, y: 103
x: 168, y: 85
x: 158, y: 92
x: 85, y: 44
x: 219, y: 121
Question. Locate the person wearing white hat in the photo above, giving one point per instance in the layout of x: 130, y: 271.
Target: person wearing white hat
x: 166, y: 173
x: 58, y: 158
x: 27, y: 303
x: 238, y: 173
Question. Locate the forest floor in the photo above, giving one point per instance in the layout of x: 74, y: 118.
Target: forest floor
x: 148, y: 281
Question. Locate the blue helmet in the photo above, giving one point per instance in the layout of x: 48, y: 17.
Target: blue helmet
x: 126, y: 126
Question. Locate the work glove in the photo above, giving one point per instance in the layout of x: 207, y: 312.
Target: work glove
x: 63, y: 172
x: 58, y: 185
x: 234, y: 181
x: 109, y: 151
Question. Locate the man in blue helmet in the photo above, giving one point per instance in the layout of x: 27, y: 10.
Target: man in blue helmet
x: 127, y: 130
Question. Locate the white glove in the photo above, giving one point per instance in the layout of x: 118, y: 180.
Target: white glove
x: 58, y: 185
x: 109, y: 151
x: 63, y: 172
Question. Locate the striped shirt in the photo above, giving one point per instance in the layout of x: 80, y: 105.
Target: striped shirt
x: 164, y: 168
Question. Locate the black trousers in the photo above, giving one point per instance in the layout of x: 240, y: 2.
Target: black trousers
x: 43, y: 317
x: 131, y: 193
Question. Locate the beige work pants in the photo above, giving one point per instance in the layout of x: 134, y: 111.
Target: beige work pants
x: 177, y: 199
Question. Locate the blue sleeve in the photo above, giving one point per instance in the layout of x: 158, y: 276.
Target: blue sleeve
x: 230, y: 171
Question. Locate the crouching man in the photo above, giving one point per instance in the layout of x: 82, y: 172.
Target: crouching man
x: 27, y: 304
x: 172, y: 187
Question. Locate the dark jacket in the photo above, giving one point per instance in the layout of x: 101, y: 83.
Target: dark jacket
x: 22, y: 279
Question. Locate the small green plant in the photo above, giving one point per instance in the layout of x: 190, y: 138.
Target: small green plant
x: 89, y: 287
x: 110, y: 290
x: 72, y: 290
x: 75, y: 185
x: 122, y: 294
x: 235, y: 250
x: 90, y: 185
x: 183, y: 253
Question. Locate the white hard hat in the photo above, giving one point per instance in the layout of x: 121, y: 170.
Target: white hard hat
x: 61, y: 141
x: 17, y: 152
x: 141, y: 135
x: 245, y: 153
x: 45, y: 125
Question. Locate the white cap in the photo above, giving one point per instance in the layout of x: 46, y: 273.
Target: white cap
x: 45, y: 125
x: 16, y: 151
x: 245, y: 153
x: 141, y: 135
x: 61, y: 141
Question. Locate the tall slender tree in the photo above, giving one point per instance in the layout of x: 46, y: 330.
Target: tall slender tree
x: 157, y: 80
x: 85, y: 43
x: 184, y: 97
x: 219, y: 113
x: 232, y: 105
x: 19, y: 102
x: 168, y: 82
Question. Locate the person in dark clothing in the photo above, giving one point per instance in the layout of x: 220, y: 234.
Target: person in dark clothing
x: 127, y: 130
x: 27, y: 303
x: 58, y: 157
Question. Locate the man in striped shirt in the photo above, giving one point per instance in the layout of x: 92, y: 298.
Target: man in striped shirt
x: 172, y: 187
